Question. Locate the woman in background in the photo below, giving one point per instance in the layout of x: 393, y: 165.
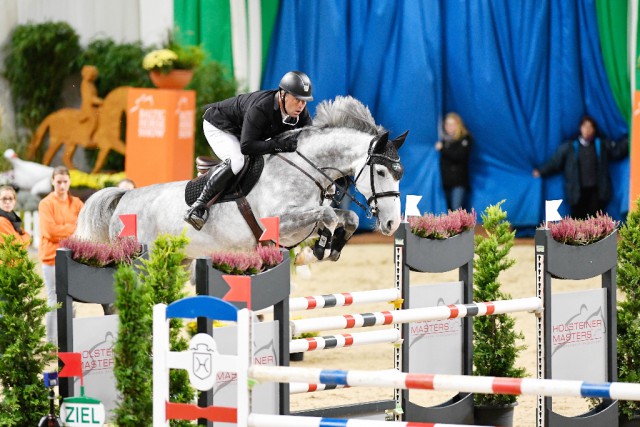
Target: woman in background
x: 10, y: 222
x: 454, y: 149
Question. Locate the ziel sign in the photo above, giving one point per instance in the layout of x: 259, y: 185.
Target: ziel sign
x: 81, y: 412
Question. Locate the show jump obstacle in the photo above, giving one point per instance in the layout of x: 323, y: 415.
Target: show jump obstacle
x: 203, y: 361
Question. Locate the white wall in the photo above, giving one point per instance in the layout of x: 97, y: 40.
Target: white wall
x: 121, y: 20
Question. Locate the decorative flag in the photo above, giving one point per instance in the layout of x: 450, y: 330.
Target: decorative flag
x: 551, y: 210
x: 72, y: 365
x: 130, y: 222
x: 239, y: 289
x: 411, y: 206
x: 271, y: 229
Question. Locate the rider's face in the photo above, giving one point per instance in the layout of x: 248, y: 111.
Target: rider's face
x: 293, y: 105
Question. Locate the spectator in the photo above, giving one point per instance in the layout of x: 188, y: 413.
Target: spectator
x: 455, y: 148
x: 58, y: 217
x: 10, y: 222
x: 584, y: 162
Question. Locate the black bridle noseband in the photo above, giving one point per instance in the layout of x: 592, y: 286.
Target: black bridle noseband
x: 393, y: 164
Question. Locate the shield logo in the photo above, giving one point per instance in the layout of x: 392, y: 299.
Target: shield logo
x: 202, y: 361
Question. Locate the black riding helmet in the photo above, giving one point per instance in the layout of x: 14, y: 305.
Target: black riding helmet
x: 297, y: 84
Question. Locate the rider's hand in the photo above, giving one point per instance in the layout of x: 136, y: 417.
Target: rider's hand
x: 285, y: 146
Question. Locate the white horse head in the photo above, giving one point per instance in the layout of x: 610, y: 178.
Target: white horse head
x: 344, y: 141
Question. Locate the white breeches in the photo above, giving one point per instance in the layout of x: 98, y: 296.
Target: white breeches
x: 224, y: 145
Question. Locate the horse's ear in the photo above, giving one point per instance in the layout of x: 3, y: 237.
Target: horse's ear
x: 397, y: 142
x: 380, y: 142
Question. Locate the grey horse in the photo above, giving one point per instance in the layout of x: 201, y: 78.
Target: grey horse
x: 344, y: 141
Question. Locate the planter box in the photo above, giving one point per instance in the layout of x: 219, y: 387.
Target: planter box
x: 581, y: 262
x: 267, y: 288
x: 438, y: 256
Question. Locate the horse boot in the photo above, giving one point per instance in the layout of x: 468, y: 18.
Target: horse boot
x: 323, y: 242
x: 217, y: 181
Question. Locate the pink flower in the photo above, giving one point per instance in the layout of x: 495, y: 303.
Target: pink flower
x: 443, y: 226
x: 577, y: 232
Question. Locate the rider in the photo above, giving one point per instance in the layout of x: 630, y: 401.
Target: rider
x: 244, y: 125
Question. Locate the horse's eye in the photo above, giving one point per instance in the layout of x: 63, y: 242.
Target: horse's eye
x: 381, y: 173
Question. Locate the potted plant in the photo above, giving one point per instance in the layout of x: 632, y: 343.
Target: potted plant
x: 496, y: 345
x: 628, y: 281
x: 172, y: 66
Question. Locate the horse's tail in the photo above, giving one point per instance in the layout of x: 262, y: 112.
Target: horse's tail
x: 93, y: 222
x: 37, y: 138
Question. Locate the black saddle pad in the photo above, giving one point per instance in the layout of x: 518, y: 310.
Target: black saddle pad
x: 244, y: 183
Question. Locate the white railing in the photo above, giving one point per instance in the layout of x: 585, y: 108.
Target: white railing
x: 31, y: 224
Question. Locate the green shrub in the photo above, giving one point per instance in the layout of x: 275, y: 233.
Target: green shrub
x: 118, y: 64
x: 165, y: 276
x: 39, y: 58
x: 23, y: 351
x: 494, y: 350
x: 133, y: 368
x: 628, y: 281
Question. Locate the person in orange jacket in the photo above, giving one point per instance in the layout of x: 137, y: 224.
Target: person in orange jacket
x: 58, y: 218
x: 10, y: 222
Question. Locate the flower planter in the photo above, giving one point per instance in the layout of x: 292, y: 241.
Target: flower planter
x: 267, y: 288
x: 581, y: 262
x: 494, y: 415
x: 174, y: 79
x: 438, y: 256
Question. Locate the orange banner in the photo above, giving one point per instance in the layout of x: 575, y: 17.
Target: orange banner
x: 160, y: 135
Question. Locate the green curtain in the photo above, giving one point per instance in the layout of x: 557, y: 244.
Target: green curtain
x: 208, y: 22
x: 613, y: 30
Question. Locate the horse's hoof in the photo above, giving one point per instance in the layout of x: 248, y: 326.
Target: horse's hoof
x: 335, y: 255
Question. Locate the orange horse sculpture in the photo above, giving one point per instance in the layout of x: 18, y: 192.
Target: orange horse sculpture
x: 93, y: 127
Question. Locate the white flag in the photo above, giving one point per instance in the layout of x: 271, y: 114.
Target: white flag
x: 551, y: 210
x: 411, y: 206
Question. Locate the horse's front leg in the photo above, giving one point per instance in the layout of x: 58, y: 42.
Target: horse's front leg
x: 322, y: 218
x: 347, y: 225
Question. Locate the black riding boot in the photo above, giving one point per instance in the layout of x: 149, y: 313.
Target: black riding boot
x: 218, y: 179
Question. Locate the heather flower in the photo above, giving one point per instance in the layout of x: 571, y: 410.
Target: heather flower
x: 270, y: 255
x: 578, y: 232
x: 249, y: 262
x: 98, y: 254
x: 440, y: 227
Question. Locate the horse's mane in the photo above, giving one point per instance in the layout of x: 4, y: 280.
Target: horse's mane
x: 346, y: 111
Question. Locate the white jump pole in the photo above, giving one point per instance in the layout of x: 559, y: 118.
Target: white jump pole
x: 260, y: 420
x: 390, y: 295
x: 462, y: 383
x: 344, y: 340
x: 414, y: 315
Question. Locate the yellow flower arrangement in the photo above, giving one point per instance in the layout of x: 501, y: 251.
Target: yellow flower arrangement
x: 95, y: 180
x: 160, y: 60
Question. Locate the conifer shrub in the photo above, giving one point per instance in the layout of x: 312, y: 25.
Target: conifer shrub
x: 165, y: 276
x: 495, y: 347
x: 133, y: 367
x: 628, y: 281
x: 24, y: 354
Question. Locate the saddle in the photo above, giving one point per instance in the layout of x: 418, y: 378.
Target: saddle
x: 239, y: 189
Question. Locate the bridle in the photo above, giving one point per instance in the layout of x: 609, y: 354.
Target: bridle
x: 371, y: 209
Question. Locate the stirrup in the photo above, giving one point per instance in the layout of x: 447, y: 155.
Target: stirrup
x: 192, y: 217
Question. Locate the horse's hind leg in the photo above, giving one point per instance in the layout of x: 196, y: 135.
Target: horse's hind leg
x: 54, y: 145
x: 102, y: 157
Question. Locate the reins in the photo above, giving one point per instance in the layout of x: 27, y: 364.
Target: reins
x: 370, y: 211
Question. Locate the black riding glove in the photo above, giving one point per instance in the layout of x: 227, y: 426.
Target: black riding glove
x: 284, y: 146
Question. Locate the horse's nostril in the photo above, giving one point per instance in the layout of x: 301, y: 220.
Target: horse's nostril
x: 389, y: 224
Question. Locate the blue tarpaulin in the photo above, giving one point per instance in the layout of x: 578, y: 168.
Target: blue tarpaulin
x: 521, y: 74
